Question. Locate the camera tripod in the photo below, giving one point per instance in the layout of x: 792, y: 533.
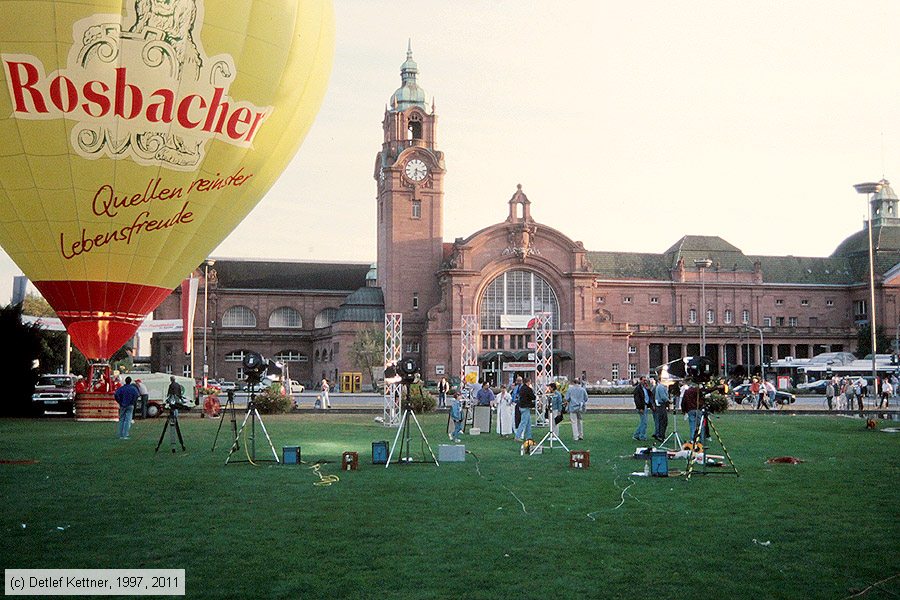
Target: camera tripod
x: 403, y: 429
x: 229, y: 404
x: 171, y: 420
x: 252, y: 416
x: 698, y: 435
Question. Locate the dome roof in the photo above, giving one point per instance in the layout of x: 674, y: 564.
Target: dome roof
x: 365, y: 305
x: 409, y: 94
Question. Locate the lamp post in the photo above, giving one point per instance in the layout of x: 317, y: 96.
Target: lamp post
x: 870, y: 189
x: 762, y: 368
x: 701, y: 264
x: 206, y: 265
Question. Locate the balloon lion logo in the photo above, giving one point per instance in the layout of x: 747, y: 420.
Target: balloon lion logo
x: 147, y: 93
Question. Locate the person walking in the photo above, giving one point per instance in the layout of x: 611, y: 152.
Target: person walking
x: 125, y: 397
x: 642, y: 404
x: 771, y: 393
x: 456, y: 416
x: 577, y: 399
x: 660, y: 411
x: 829, y: 394
x: 758, y: 390
x: 887, y: 390
x: 526, y: 404
x: 443, y: 388
x: 326, y: 400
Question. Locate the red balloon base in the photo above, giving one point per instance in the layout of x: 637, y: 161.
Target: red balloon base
x: 101, y: 315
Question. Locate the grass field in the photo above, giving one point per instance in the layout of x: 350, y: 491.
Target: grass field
x: 497, y: 526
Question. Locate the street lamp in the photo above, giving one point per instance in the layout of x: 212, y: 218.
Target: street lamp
x: 702, y: 263
x: 869, y: 189
x: 206, y: 265
x: 762, y: 368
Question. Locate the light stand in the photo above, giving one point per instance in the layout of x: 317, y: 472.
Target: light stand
x: 674, y: 434
x: 551, y: 435
x: 403, y: 435
x: 253, y: 416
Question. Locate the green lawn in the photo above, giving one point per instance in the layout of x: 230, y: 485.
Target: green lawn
x: 419, y: 531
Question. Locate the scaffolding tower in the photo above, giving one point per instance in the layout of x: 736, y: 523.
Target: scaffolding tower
x: 393, y: 346
x: 542, y: 324
x: 469, y: 354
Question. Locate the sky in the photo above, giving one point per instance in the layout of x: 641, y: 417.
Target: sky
x: 628, y: 124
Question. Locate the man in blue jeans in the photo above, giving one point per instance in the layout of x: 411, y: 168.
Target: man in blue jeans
x: 456, y: 416
x: 526, y: 403
x: 125, y: 397
x: 642, y: 403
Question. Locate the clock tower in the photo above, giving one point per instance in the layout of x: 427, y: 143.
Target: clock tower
x: 409, y: 173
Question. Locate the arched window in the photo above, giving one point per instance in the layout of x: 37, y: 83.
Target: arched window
x: 325, y: 317
x: 239, y: 316
x: 285, y: 317
x: 517, y: 293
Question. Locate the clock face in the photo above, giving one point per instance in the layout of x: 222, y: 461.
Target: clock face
x: 416, y: 170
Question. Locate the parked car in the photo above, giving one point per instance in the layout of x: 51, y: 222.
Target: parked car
x: 227, y: 386
x: 742, y: 392
x: 814, y: 387
x: 54, y: 392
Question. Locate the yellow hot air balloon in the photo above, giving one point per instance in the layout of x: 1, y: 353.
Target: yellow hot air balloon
x: 135, y: 135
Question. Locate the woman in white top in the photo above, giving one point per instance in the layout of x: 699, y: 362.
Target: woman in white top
x: 326, y: 401
x: 506, y: 415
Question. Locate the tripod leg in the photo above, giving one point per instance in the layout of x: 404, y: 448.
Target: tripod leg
x: 236, y: 437
x: 724, y: 449
x: 180, y: 439
x: 433, y: 457
x: 222, y: 420
x: 271, y: 446
x: 162, y: 436
x: 697, y: 434
x: 397, y: 437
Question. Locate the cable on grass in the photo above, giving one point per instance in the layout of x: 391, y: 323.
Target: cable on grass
x: 511, y: 493
x: 324, y: 480
x: 874, y: 585
x: 247, y: 451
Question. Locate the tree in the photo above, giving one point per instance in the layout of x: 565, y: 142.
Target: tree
x: 52, y: 355
x: 20, y: 348
x: 864, y: 341
x: 367, y: 351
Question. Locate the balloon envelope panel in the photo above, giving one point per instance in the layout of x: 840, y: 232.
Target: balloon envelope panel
x: 134, y: 136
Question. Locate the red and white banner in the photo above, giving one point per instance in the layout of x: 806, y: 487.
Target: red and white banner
x: 188, y: 306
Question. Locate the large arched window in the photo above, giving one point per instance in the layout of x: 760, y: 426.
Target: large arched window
x: 325, y: 317
x: 285, y: 317
x: 517, y: 293
x: 239, y: 316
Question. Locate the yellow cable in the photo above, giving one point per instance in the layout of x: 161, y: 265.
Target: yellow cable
x: 324, y: 480
x: 246, y: 450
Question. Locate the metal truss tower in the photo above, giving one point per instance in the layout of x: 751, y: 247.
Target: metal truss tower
x: 542, y: 324
x: 393, y: 346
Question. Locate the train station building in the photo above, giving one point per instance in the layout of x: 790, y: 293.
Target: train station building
x: 615, y: 315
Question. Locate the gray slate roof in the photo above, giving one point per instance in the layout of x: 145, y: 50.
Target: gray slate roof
x: 365, y: 305
x: 290, y: 275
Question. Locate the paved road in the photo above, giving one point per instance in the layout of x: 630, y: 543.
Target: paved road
x: 372, y: 401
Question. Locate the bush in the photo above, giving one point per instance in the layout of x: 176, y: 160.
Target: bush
x: 420, y: 398
x: 271, y: 401
x: 716, y: 402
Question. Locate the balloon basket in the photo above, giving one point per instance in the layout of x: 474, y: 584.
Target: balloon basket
x: 96, y: 406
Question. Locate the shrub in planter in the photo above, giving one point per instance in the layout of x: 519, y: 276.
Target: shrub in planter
x: 421, y: 399
x: 271, y: 401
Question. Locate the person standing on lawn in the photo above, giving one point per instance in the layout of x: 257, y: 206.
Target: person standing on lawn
x: 642, y: 403
x: 125, y: 397
x: 526, y: 403
x: 660, y: 411
x: 577, y: 399
x: 443, y: 388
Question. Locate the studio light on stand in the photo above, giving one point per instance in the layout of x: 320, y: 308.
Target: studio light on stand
x: 254, y: 367
x: 405, y: 373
